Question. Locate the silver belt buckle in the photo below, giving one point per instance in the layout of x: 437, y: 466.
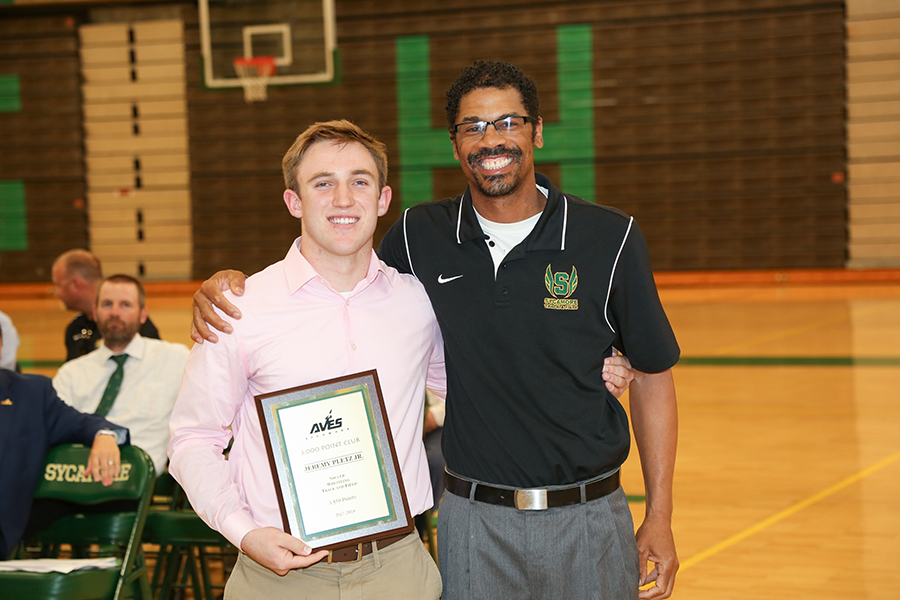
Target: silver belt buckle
x: 533, y: 499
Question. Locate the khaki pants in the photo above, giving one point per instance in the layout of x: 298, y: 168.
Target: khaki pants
x: 403, y: 570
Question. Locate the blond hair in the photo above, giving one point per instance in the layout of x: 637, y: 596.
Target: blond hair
x: 342, y: 132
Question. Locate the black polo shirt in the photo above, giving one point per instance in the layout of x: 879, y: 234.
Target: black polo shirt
x: 526, y: 402
x: 82, y: 335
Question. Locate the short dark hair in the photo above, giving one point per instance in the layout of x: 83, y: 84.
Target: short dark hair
x: 121, y: 278
x: 492, y: 74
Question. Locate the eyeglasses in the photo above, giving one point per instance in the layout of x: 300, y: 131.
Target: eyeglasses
x: 475, y: 130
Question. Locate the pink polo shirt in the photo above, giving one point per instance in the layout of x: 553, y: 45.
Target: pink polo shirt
x: 296, y: 329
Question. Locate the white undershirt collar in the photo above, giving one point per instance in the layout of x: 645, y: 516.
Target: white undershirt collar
x: 503, y: 237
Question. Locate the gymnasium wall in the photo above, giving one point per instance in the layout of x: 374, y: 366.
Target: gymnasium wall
x: 873, y: 132
x: 719, y: 124
x: 42, y: 170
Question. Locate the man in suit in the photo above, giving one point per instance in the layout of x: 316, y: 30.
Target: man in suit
x: 32, y: 419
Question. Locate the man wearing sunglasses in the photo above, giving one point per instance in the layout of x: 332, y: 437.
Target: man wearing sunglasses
x: 532, y: 288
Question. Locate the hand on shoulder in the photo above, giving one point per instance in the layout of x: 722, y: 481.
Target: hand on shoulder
x: 209, y: 296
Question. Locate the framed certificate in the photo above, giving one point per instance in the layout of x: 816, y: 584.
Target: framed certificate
x: 333, y: 460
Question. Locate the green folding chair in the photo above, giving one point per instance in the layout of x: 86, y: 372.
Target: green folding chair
x: 99, y: 532
x: 183, y: 539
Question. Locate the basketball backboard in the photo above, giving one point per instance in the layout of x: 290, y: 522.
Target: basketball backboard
x: 299, y: 34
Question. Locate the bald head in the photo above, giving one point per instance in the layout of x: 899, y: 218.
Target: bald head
x: 76, y: 276
x: 80, y: 262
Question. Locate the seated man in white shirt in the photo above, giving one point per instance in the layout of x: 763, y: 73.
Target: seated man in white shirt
x: 77, y: 275
x: 140, y: 393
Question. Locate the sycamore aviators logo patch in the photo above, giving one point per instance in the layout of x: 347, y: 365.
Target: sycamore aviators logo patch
x: 561, y: 286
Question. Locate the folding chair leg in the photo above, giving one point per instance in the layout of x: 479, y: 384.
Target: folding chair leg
x: 160, y: 567
x: 172, y: 568
x: 204, y: 571
x: 144, y: 578
x: 190, y: 571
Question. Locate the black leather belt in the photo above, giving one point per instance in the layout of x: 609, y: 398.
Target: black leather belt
x: 355, y: 553
x: 534, y: 498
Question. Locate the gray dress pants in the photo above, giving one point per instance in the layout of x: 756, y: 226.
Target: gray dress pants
x: 584, y: 551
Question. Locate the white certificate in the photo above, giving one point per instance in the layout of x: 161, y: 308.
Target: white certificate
x: 333, y: 461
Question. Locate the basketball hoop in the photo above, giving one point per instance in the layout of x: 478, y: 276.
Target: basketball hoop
x: 254, y: 73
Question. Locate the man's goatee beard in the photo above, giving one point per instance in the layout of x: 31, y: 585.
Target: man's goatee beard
x: 496, y: 185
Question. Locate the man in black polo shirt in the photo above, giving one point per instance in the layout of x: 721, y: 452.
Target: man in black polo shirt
x: 532, y: 288
x: 76, y: 278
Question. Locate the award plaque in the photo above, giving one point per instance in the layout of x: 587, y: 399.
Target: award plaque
x: 333, y: 460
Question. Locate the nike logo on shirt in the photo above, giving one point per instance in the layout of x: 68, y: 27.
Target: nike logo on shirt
x: 442, y: 280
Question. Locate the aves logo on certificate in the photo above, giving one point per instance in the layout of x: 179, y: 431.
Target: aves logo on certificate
x: 337, y: 463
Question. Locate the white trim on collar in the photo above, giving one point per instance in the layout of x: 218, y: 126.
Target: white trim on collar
x: 406, y: 243
x: 613, y: 274
x: 459, y: 218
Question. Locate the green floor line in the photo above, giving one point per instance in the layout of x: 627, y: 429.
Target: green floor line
x: 790, y: 361
x: 40, y: 364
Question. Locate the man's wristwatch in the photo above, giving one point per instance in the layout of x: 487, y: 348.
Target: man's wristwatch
x: 107, y: 432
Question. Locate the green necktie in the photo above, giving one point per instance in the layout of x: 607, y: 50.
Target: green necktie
x: 112, y: 386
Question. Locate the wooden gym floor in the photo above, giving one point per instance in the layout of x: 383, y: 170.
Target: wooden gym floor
x: 788, y: 474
